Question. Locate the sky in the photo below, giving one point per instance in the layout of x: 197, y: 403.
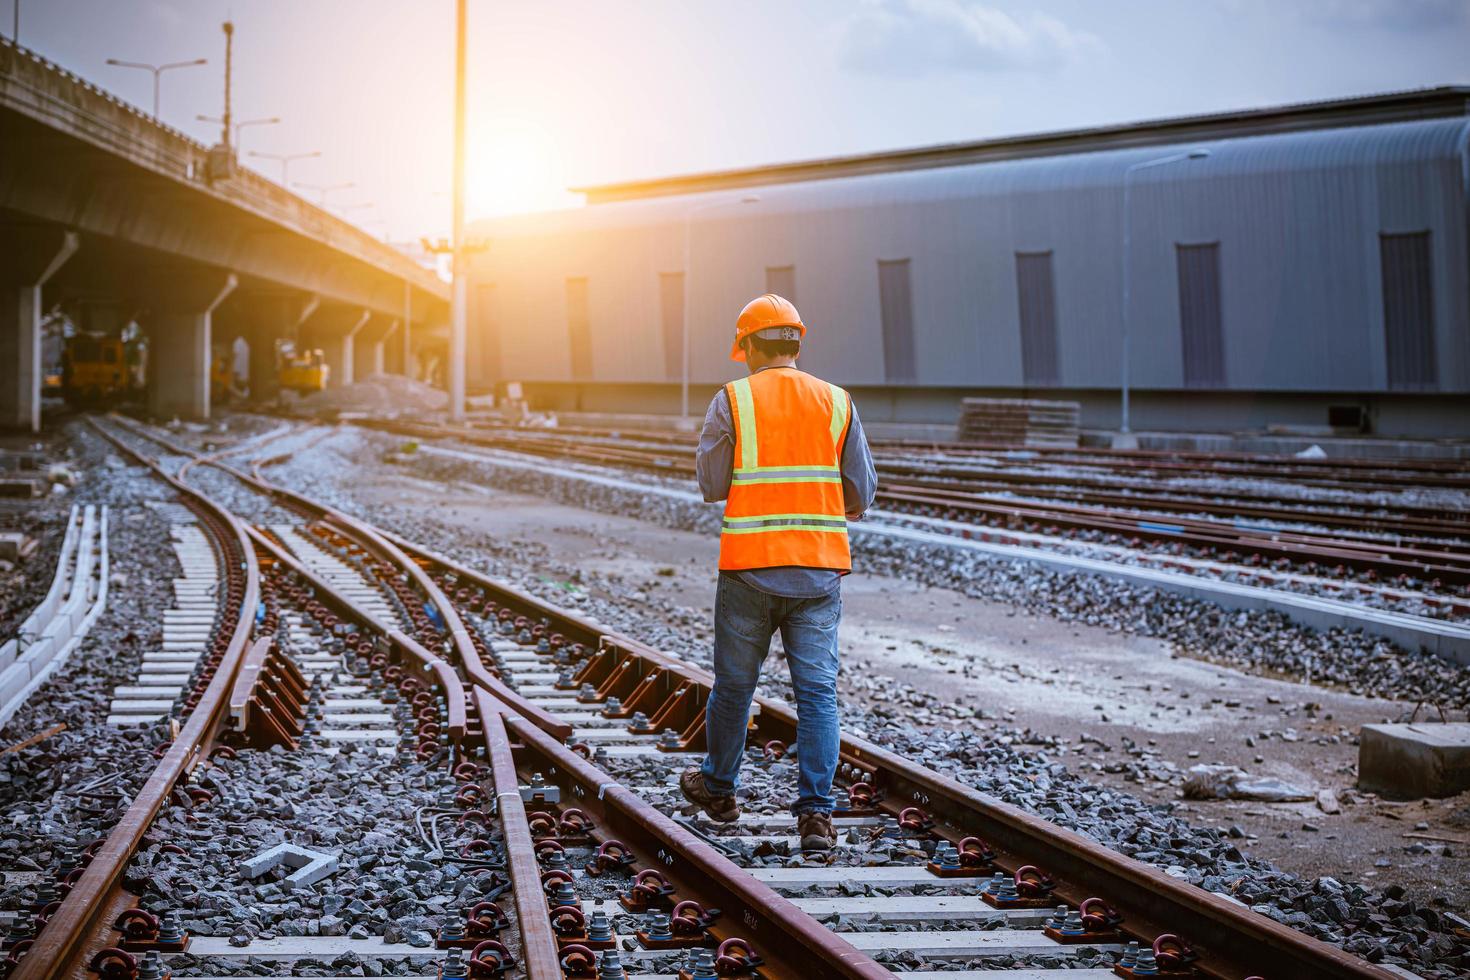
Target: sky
x: 565, y: 93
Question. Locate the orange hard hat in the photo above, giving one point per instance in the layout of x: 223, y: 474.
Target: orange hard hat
x: 770, y: 317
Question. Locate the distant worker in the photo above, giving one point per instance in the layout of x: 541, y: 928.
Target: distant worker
x: 786, y: 453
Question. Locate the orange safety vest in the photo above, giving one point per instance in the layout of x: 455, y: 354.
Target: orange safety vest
x: 785, y: 505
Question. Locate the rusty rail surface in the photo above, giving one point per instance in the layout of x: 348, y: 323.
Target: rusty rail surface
x: 63, y: 940
x: 1231, y: 941
x: 1120, y: 516
x: 268, y: 697
x: 374, y: 540
x: 429, y: 664
x: 540, y: 955
x: 795, y: 945
x: 1093, y: 482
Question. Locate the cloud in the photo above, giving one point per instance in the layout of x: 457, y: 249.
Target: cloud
x: 917, y: 37
x: 1393, y: 15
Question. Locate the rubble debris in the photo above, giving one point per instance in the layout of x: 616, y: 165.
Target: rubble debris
x: 1234, y: 783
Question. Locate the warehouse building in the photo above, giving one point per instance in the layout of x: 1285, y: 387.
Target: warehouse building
x: 1294, y: 266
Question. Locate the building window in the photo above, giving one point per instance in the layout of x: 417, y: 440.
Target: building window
x: 1199, y: 315
x: 781, y: 280
x: 896, y: 301
x: 1408, y: 310
x: 1036, y: 294
x: 671, y: 315
x: 579, y: 329
x: 489, y: 335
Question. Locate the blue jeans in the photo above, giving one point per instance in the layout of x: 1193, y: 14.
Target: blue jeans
x: 745, y: 619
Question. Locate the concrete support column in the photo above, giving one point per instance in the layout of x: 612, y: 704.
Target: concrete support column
x: 31, y: 255
x: 179, y: 341
x: 335, y: 330
x: 370, y: 347
x: 272, y: 318
x: 385, y: 350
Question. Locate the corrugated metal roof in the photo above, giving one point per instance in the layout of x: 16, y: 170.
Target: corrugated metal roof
x: 1369, y: 110
x: 1302, y: 152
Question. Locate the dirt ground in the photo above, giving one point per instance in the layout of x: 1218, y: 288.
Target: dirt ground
x: 1130, y: 709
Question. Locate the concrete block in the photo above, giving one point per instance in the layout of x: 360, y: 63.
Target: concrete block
x: 1413, y: 761
x: 15, y: 545
x: 311, y: 866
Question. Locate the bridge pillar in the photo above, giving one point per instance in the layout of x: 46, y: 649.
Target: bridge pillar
x: 335, y: 330
x: 370, y: 347
x: 29, y: 255
x: 179, y: 352
x: 267, y: 318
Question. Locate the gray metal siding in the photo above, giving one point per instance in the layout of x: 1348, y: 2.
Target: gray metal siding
x: 1298, y: 218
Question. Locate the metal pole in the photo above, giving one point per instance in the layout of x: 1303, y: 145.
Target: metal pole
x: 229, y: 29
x: 407, y: 329
x: 460, y: 295
x: 688, y: 296
x: 1127, y: 288
x: 156, y: 73
x: 15, y: 30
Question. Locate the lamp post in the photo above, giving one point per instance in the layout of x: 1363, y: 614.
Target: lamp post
x: 459, y: 266
x: 236, y: 127
x: 322, y: 190
x: 252, y: 122
x: 1198, y: 154
x: 688, y: 289
x: 344, y: 209
x: 284, y: 159
x: 157, y: 70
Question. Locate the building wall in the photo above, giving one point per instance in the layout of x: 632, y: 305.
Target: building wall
x: 1297, y: 219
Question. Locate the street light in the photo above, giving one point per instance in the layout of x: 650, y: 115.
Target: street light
x: 235, y: 135
x: 284, y: 159
x: 342, y: 209
x: 323, y: 190
x: 1197, y: 154
x: 157, y: 70
x: 688, y: 290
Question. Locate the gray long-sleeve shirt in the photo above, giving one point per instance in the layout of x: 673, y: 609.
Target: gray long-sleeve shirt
x: 714, y: 462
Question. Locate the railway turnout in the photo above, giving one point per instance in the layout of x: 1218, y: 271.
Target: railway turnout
x: 546, y: 745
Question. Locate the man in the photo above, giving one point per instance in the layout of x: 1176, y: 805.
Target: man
x: 786, y: 453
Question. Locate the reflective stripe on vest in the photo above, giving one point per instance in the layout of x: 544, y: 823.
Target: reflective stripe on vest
x: 789, y: 510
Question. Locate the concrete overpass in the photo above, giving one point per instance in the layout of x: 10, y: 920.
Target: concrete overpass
x: 103, y: 209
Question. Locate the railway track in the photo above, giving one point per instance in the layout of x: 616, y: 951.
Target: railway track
x: 1420, y: 563
x: 558, y: 740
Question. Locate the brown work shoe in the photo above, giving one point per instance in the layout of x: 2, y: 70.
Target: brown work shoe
x: 717, y: 807
x: 815, y: 830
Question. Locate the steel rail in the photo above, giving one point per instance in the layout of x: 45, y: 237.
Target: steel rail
x: 1382, y: 558
x: 1234, y: 941
x: 1350, y: 513
x: 373, y: 539
x: 1299, y: 548
x: 1100, y: 455
x: 63, y: 939
x: 429, y: 663
x: 540, y: 956
x: 795, y: 945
